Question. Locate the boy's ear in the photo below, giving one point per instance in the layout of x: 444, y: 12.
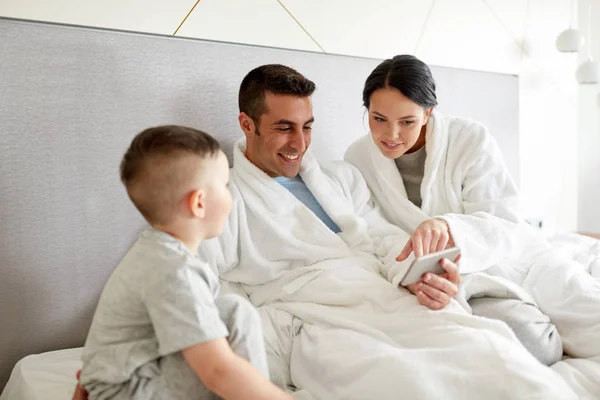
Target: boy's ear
x: 196, y: 203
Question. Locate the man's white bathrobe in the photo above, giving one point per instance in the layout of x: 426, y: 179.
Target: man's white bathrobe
x: 466, y: 183
x: 336, y: 323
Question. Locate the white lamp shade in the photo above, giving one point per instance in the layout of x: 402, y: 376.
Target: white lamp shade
x: 598, y: 99
x: 588, y: 72
x: 570, y: 41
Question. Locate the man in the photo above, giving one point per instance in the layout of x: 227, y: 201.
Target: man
x: 307, y: 245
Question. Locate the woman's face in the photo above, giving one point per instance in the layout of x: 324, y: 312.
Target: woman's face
x: 396, y: 122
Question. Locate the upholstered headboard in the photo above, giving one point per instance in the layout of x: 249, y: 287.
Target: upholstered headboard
x: 71, y: 99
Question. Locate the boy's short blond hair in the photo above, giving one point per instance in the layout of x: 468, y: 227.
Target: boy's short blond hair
x: 161, y: 165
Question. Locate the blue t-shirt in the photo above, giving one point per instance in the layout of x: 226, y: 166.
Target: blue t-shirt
x: 298, y: 188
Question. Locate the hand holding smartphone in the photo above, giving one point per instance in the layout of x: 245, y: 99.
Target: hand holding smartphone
x: 429, y: 263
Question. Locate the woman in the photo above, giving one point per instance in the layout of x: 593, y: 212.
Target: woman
x: 443, y: 180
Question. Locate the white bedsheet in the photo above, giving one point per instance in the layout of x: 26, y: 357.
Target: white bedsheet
x: 51, y: 376
x: 47, y: 376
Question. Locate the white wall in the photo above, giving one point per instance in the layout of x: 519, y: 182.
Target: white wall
x: 509, y: 36
x: 548, y: 106
x: 589, y: 129
x: 153, y: 16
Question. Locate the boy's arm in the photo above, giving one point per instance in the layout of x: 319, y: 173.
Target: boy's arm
x: 228, y: 375
x: 181, y: 305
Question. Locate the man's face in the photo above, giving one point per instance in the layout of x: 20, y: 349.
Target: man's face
x: 278, y: 141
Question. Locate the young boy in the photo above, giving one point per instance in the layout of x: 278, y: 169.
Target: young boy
x: 160, y: 331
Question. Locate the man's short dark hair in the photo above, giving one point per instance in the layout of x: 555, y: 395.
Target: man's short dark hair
x: 273, y: 78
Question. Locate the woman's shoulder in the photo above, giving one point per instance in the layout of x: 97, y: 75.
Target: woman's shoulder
x: 466, y: 126
x: 357, y: 151
x: 471, y: 139
x: 466, y: 131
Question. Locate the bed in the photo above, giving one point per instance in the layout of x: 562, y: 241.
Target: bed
x: 51, y: 375
x: 73, y: 97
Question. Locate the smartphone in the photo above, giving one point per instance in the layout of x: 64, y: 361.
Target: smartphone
x: 429, y: 263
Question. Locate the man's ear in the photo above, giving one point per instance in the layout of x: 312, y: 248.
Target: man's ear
x: 247, y: 124
x: 197, y: 203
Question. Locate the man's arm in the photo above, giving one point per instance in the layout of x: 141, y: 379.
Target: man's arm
x: 228, y: 375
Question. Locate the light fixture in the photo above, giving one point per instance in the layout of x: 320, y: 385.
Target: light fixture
x: 598, y: 99
x: 588, y: 73
x: 571, y: 40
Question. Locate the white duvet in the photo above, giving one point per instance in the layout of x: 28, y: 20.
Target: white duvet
x: 334, y: 315
x: 467, y: 184
x: 582, y: 249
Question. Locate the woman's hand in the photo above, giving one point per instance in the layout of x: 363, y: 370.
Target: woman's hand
x: 431, y: 236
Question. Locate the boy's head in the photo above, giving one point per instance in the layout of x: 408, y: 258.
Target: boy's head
x: 176, y: 175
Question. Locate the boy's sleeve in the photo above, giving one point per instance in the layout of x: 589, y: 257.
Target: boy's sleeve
x: 183, y: 311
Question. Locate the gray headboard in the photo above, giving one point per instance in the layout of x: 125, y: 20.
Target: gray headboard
x: 71, y: 99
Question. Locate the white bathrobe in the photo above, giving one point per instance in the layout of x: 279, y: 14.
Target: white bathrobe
x: 333, y: 313
x: 466, y: 183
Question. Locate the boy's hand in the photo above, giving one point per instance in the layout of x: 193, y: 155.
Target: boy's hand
x: 228, y: 375
x: 80, y: 393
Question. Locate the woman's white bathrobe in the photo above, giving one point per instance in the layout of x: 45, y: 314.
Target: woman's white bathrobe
x: 335, y: 324
x: 466, y: 183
